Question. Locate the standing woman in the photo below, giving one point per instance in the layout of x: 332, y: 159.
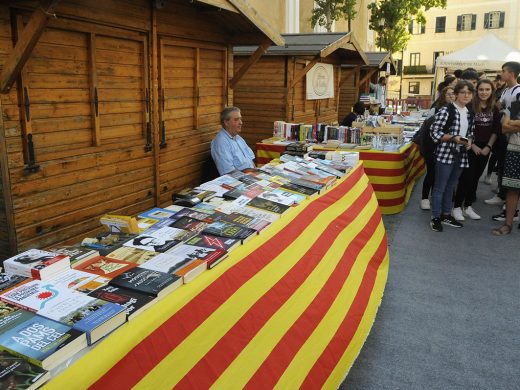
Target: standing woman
x: 446, y: 97
x: 451, y: 153
x: 487, y: 128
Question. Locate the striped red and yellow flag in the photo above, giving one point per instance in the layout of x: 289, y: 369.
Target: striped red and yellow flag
x: 290, y: 309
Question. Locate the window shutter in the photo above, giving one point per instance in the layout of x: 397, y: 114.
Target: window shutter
x: 502, y: 19
x: 486, y: 20
x: 473, y: 21
x: 410, y: 27
x: 423, y: 28
x: 459, y: 23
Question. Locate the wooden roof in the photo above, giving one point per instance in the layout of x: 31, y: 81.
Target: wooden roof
x: 316, y: 44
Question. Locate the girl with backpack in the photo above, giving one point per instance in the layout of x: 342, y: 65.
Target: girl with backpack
x: 451, y: 153
x: 487, y: 128
x: 427, y: 147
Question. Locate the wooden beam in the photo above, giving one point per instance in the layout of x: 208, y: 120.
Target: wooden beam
x: 367, y: 76
x: 298, y: 76
x: 19, y: 55
x: 260, y: 51
x: 157, y: 76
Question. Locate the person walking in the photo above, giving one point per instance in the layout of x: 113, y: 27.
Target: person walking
x: 486, y: 130
x: 451, y: 154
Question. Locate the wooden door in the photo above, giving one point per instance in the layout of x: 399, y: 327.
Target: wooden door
x: 83, y: 103
x: 192, y: 92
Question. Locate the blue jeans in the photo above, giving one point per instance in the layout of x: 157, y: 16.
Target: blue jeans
x: 446, y: 178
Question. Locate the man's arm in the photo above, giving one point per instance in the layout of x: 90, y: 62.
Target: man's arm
x: 510, y: 125
x: 221, y: 154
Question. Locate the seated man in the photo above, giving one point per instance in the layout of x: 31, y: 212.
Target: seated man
x: 357, y: 110
x: 228, y: 149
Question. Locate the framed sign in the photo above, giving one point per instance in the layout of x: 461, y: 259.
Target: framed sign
x: 320, y: 82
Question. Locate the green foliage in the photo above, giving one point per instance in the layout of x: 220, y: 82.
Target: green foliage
x: 327, y: 11
x: 397, y: 15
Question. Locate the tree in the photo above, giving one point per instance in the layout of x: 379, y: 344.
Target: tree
x: 327, y: 11
x: 397, y: 15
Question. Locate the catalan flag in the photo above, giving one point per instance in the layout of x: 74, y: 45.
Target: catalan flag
x: 290, y: 309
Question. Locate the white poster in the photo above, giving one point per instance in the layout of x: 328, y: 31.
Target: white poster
x: 320, y: 82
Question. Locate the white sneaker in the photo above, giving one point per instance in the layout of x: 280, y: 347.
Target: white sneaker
x: 469, y: 212
x: 425, y: 204
x: 487, y: 179
x: 457, y: 214
x: 494, y: 200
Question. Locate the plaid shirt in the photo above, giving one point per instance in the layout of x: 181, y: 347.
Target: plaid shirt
x: 447, y: 152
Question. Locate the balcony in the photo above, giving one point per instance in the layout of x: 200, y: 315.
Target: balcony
x: 417, y: 69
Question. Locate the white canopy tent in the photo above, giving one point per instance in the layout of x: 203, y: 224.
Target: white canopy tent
x: 488, y: 53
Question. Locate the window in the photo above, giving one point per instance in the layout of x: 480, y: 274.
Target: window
x: 435, y: 55
x: 416, y: 28
x: 466, y: 22
x: 440, y: 24
x: 415, y: 59
x: 413, y: 87
x: 494, y: 19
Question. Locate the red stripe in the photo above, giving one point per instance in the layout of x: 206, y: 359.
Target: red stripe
x: 263, y: 160
x: 388, y: 187
x: 151, y: 350
x: 385, y: 172
x: 330, y: 357
x: 371, y: 156
x: 281, y: 356
x: 271, y: 148
x: 207, y: 370
x: 391, y: 202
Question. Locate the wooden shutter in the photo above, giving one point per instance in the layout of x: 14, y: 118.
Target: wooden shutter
x: 410, y: 27
x: 486, y: 20
x: 423, y: 28
x: 502, y: 19
x: 459, y: 23
x: 473, y: 21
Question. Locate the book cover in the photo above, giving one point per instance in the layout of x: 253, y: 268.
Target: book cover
x: 144, y: 224
x: 133, y: 301
x: 299, y: 189
x: 105, y: 243
x: 277, y: 197
x: 189, y: 193
x: 189, y: 224
x: 105, y: 266
x: 36, y: 264
x: 159, y: 240
x: 250, y: 211
x: 8, y: 281
x: 192, y: 270
x: 146, y: 281
x: 132, y: 255
x: 244, y: 220
x: 157, y: 213
x: 297, y: 198
x: 268, y: 205
x: 76, y: 253
x: 228, y: 230
x: 119, y: 224
x: 214, y: 242
x: 203, y: 214
x: 42, y: 341
x: 78, y: 280
x: 19, y: 374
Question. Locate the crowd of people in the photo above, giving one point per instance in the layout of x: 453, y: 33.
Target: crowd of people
x: 474, y: 118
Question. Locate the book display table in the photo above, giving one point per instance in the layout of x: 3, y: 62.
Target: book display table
x: 291, y: 308
x: 392, y: 174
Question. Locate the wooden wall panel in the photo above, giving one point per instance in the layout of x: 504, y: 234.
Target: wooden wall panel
x: 349, y: 91
x: 261, y: 96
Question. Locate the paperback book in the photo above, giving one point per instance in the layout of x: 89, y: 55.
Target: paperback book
x: 105, y: 266
x: 213, y: 242
x: 229, y: 230
x: 133, y: 301
x: 8, y: 281
x: 160, y: 240
x: 105, y: 243
x: 268, y: 205
x: 81, y: 281
x: 157, y: 213
x: 189, y: 224
x: 76, y: 253
x: 132, y: 255
x: 36, y: 264
x: 19, y: 374
x: 149, y: 282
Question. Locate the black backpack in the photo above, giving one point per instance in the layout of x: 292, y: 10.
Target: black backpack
x: 423, y: 138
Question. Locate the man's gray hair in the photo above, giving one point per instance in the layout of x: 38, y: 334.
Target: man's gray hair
x: 225, y: 114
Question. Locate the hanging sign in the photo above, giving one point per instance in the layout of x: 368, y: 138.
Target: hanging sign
x: 320, y: 82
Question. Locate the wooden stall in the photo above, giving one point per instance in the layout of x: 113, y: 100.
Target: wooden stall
x: 355, y: 79
x: 273, y: 87
x: 109, y: 106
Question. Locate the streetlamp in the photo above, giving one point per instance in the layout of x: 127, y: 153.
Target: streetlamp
x: 381, y: 26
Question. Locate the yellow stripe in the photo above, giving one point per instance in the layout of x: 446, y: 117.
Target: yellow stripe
x: 304, y: 360
x: 352, y: 351
x: 201, y: 340
x: 253, y: 355
x: 388, y: 210
x: 267, y: 154
x: 386, y: 179
x: 385, y: 164
x: 389, y: 194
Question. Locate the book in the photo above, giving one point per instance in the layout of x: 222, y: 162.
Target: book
x: 277, y: 197
x: 133, y: 301
x: 94, y: 317
x: 132, y: 255
x: 189, y: 224
x: 250, y: 211
x: 36, y: 264
x: 19, y: 374
x: 229, y: 230
x: 39, y: 340
x: 148, y: 282
x: 251, y: 191
x: 119, y: 224
x: 105, y: 243
x: 77, y: 254
x: 214, y: 242
x: 145, y: 223
x: 243, y: 220
x: 192, y: 270
x: 159, y: 240
x: 201, y: 215
x: 299, y: 189
x: 78, y: 280
x: 268, y: 205
x: 190, y: 193
x: 157, y: 213
x: 8, y: 281
x: 105, y: 266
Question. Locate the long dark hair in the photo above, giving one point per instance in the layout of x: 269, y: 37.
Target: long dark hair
x: 441, y: 100
x: 490, y: 103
